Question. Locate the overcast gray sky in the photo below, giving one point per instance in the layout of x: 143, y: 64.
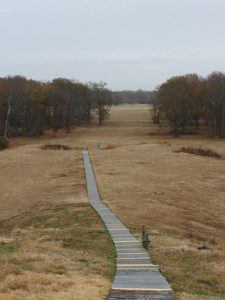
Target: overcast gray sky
x: 130, y: 44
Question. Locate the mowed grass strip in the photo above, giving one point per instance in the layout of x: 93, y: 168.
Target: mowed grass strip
x: 66, y: 252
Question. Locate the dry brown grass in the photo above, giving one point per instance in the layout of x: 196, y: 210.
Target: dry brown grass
x: 52, y: 244
x: 55, y: 253
x: 175, y: 197
x: 179, y: 197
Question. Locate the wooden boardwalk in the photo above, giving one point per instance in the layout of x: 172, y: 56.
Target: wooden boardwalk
x: 136, y: 276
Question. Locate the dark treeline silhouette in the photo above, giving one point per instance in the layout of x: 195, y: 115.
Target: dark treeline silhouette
x: 190, y: 102
x: 29, y: 107
x: 133, y: 97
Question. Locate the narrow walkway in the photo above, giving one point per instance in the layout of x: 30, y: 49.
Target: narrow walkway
x: 136, y: 276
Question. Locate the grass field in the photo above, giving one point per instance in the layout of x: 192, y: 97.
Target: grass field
x: 179, y: 197
x: 52, y: 244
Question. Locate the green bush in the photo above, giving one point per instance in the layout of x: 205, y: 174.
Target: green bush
x: 3, y: 143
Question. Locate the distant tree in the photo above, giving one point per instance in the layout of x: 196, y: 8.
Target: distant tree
x: 171, y: 101
x: 155, y: 108
x: 29, y: 107
x: 65, y: 86
x: 13, y: 93
x: 101, y: 98
x: 179, y: 100
x: 132, y: 97
x: 195, y: 99
x: 3, y: 104
x: 185, y: 100
x: 84, y: 105
x: 215, y: 102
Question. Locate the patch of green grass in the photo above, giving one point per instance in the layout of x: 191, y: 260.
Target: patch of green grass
x: 112, y: 258
x: 60, y: 219
x: 100, y: 232
x: 36, y: 221
x: 66, y: 213
x: 7, y: 249
x: 188, y: 268
x: 69, y: 243
x: 79, y: 230
x: 26, y: 266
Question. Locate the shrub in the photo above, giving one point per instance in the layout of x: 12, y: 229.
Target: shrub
x: 201, y: 151
x: 3, y: 143
x: 55, y: 147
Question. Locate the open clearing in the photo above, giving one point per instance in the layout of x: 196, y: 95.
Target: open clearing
x: 179, y: 197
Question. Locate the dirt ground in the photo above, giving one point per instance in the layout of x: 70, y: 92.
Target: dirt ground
x: 180, y: 198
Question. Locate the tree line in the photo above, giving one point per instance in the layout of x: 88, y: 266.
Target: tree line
x: 29, y: 107
x: 191, y: 102
x: 132, y: 97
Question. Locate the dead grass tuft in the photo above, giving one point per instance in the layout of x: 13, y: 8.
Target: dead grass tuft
x: 55, y: 147
x: 200, y: 151
x: 110, y: 147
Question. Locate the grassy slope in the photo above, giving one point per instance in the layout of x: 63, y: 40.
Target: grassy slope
x: 180, y: 209
x: 52, y: 244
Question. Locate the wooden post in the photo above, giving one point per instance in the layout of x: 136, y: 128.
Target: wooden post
x: 143, y: 235
x: 143, y: 231
x: 146, y: 241
x: 145, y: 238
